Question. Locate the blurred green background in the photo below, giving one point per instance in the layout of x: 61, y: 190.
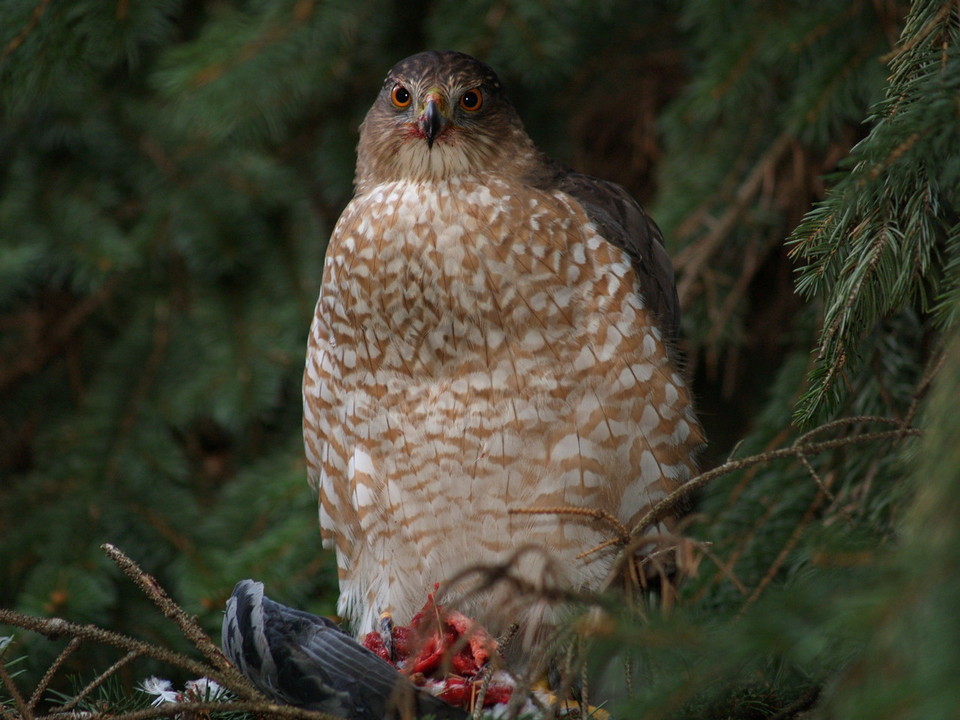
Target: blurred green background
x: 170, y: 171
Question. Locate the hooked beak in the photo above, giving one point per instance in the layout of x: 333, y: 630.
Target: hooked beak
x: 432, y: 122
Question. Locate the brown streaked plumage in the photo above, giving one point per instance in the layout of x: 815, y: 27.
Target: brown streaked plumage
x: 493, y: 332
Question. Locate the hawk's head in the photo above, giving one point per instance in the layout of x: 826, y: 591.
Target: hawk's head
x: 440, y: 114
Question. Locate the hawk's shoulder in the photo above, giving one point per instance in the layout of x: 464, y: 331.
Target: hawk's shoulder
x: 624, y: 223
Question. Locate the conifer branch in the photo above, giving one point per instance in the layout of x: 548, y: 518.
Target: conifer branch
x: 251, y: 700
x: 22, y: 707
x: 879, y: 241
x: 35, y: 15
x: 52, y: 670
x: 188, y: 625
x: 101, y: 678
x: 914, y: 39
x: 55, y: 628
x: 33, y: 357
x: 689, y: 262
x: 665, y: 506
x: 203, y: 709
x: 596, y: 513
x: 668, y: 504
x: 788, y: 547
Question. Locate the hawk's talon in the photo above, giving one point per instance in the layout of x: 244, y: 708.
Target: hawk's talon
x: 385, y: 630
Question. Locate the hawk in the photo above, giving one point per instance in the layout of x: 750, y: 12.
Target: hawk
x: 493, y: 333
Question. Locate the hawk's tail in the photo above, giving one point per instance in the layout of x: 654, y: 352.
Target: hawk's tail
x: 307, y: 661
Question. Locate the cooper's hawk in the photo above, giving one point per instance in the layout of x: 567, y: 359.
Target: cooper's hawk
x: 492, y: 333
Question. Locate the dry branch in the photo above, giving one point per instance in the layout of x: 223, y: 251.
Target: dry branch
x: 56, y: 628
x: 98, y: 681
x: 37, y: 13
x: 484, y: 577
x: 218, y: 668
x: 188, y: 626
x: 15, y: 695
x: 667, y: 505
x: 52, y: 670
x: 692, y: 259
x: 802, y: 448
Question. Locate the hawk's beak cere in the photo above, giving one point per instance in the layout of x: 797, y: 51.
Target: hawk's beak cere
x: 433, y: 121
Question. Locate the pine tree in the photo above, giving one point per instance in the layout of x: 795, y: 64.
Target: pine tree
x: 169, y: 173
x: 807, y: 596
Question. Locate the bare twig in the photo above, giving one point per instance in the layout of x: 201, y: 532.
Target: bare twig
x: 931, y: 372
x: 690, y: 261
x: 98, y: 681
x: 725, y: 568
x: 602, y: 546
x: 595, y: 513
x: 56, y: 337
x: 842, y: 422
x: 492, y: 574
x: 477, y: 710
x: 51, y: 671
x: 734, y: 556
x: 55, y: 628
x: 188, y: 626
x: 35, y: 15
x: 801, y: 704
x: 815, y: 476
x: 199, y: 709
x: 15, y: 695
x: 670, y: 502
x: 788, y: 546
x: 662, y: 508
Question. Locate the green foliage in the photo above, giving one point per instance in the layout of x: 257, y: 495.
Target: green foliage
x: 908, y: 667
x: 807, y: 597
x: 775, y: 96
x: 886, y: 237
x: 169, y: 174
x: 156, y: 300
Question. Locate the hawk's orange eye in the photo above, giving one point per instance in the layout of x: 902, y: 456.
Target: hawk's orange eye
x: 471, y: 100
x: 400, y: 96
